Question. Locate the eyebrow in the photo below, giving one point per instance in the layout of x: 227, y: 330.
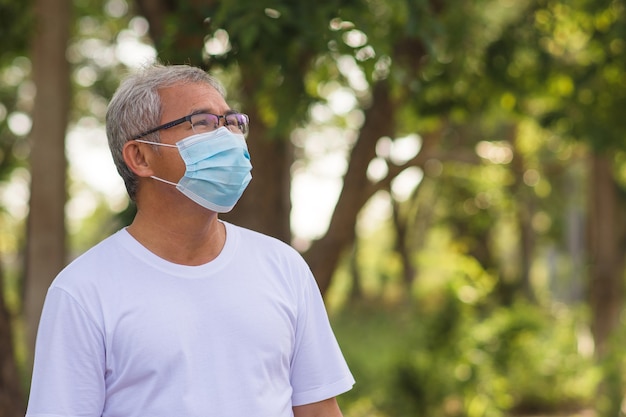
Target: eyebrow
x: 206, y: 110
x: 198, y: 111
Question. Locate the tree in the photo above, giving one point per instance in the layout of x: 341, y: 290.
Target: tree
x: 573, y: 74
x: 456, y: 78
x: 15, y: 23
x: 11, y: 395
x: 46, y: 251
x: 259, y: 38
x: 292, y: 42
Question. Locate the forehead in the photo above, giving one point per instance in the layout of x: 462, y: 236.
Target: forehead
x: 185, y: 98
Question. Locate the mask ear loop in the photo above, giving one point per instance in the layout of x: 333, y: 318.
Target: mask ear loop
x: 159, y: 144
x: 155, y: 143
x: 165, y: 181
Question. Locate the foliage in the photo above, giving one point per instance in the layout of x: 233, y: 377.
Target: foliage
x: 462, y: 351
x: 459, y: 361
x: 504, y: 86
x: 15, y: 28
x: 281, y: 37
x: 561, y: 60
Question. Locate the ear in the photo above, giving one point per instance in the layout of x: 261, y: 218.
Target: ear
x: 137, y: 159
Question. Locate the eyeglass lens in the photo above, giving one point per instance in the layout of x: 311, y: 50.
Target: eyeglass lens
x: 206, y: 122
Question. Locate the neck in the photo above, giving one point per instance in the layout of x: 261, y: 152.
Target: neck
x: 182, y: 238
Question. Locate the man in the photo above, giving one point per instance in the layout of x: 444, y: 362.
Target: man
x: 181, y: 314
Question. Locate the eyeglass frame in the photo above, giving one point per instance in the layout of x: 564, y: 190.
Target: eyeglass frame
x: 187, y: 118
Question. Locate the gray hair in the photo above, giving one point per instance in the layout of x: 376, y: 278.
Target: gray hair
x: 136, y: 107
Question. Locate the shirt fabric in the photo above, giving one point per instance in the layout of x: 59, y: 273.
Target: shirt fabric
x: 125, y: 333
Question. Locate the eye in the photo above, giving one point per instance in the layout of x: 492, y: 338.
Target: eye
x: 237, y: 120
x: 204, y: 122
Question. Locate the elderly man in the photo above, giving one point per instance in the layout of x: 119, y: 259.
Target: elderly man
x: 181, y: 314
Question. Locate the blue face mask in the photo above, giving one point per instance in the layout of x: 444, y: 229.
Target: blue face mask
x: 218, y: 168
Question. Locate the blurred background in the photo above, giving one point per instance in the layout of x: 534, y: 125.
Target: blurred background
x: 453, y: 172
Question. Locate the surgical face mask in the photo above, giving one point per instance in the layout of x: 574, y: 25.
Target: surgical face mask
x: 218, y: 168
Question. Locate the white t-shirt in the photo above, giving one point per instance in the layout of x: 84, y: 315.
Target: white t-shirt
x: 125, y: 333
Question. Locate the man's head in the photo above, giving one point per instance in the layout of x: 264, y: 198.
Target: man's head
x: 136, y: 107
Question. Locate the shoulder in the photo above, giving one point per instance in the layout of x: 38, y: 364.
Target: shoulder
x: 268, y: 254
x: 260, y: 242
x: 93, y: 263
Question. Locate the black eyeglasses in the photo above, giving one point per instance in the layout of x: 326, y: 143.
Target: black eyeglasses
x: 206, y: 122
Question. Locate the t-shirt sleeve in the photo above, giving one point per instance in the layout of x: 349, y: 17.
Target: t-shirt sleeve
x: 69, y: 367
x: 318, y: 370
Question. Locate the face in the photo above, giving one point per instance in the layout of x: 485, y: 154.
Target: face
x: 183, y: 99
x: 179, y: 101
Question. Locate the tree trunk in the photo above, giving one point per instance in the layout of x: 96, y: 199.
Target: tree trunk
x: 45, y: 249
x: 185, y: 47
x: 524, y: 214
x: 266, y: 204
x: 11, y: 396
x: 402, y: 247
x: 356, y: 290
x: 606, y: 266
x: 325, y: 253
